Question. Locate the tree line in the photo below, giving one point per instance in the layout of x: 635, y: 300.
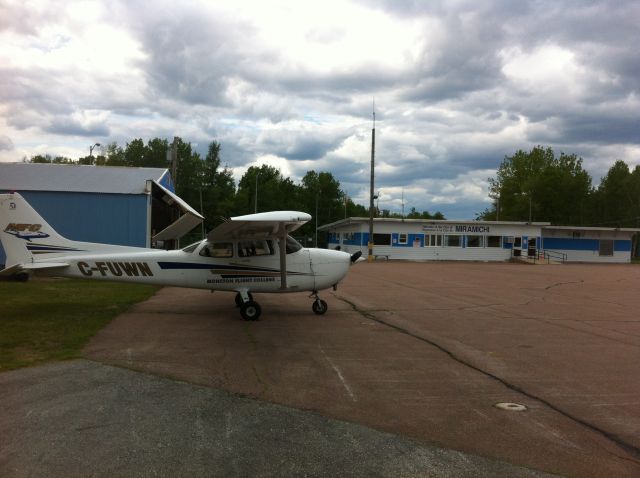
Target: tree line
x: 208, y: 185
x: 541, y: 186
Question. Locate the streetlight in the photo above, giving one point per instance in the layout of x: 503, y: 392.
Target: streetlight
x: 529, y: 195
x: 496, y: 198
x: 91, y: 149
x: 318, y: 192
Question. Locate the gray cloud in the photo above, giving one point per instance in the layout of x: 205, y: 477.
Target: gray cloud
x: 447, y: 113
x: 6, y: 143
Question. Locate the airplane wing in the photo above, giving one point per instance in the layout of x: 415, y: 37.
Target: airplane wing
x: 259, y: 226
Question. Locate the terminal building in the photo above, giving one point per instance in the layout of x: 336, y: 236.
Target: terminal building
x: 431, y: 240
x: 107, y: 204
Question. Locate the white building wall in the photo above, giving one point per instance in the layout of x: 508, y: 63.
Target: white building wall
x: 581, y: 243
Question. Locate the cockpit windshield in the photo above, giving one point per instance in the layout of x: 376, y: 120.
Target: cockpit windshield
x: 292, y: 245
x: 191, y: 247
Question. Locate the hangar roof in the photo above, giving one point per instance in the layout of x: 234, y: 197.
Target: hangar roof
x: 79, y: 178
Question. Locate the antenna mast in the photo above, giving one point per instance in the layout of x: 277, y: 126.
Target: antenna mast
x: 372, y: 185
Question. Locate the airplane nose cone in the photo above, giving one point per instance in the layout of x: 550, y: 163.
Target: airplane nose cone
x: 329, y: 266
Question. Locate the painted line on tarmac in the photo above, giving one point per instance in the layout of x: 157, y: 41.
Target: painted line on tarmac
x: 339, y: 373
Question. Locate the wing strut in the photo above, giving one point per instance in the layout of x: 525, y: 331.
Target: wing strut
x: 283, y: 257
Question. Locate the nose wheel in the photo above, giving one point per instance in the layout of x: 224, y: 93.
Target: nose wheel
x: 319, y: 306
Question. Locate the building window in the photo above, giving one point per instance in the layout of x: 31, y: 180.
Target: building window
x: 606, y: 247
x: 402, y: 238
x: 475, y: 241
x: 433, y: 240
x: 494, y: 241
x: 382, y: 239
x: 451, y: 240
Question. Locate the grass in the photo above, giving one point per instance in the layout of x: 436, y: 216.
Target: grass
x: 45, y: 320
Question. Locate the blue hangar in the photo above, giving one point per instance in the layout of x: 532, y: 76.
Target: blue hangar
x: 114, y: 205
x: 420, y: 239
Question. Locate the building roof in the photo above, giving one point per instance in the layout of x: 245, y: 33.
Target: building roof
x: 544, y: 225
x: 79, y: 178
x: 592, y: 228
x: 359, y: 220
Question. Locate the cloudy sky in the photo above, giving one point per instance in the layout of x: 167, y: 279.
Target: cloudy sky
x: 457, y: 85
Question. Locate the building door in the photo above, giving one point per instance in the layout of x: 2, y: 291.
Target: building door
x: 531, y: 247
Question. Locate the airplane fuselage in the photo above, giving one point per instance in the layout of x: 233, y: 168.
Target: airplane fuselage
x: 307, y: 269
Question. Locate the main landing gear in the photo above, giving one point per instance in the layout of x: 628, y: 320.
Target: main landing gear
x: 251, y: 310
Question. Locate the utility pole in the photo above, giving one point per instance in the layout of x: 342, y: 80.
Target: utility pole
x: 372, y: 185
x: 174, y: 176
x: 174, y: 162
x: 256, y: 197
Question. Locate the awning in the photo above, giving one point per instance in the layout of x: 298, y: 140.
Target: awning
x: 189, y: 217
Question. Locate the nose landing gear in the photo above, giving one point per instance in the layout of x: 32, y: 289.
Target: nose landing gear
x: 319, y: 306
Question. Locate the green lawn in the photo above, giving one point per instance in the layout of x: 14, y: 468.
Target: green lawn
x: 53, y: 319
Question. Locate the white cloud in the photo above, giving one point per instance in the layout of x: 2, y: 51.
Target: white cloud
x: 457, y: 85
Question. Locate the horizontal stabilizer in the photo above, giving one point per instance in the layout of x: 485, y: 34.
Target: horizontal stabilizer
x: 31, y: 266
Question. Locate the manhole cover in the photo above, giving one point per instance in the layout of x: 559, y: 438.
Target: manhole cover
x: 511, y: 407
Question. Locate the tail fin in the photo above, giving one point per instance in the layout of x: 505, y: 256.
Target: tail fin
x: 24, y: 233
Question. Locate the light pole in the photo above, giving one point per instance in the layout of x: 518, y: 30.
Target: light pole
x: 91, y: 149
x: 529, y: 195
x: 496, y: 198
x: 318, y: 192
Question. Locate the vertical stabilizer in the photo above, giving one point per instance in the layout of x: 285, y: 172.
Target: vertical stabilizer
x: 25, y: 234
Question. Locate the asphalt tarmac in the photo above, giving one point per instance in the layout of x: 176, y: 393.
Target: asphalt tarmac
x: 81, y: 418
x: 419, y: 352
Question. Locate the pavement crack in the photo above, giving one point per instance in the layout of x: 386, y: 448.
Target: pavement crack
x: 558, y: 284
x: 627, y: 447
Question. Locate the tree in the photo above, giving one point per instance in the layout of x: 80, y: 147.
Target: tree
x: 274, y: 191
x: 134, y: 153
x: 218, y: 187
x: 539, y: 186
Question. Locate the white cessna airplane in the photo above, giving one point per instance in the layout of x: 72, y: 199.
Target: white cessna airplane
x: 246, y: 254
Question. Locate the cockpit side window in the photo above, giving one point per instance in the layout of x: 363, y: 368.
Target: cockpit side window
x: 255, y: 248
x: 217, y: 249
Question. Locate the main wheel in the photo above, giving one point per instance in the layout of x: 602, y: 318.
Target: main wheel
x: 319, y: 307
x: 250, y: 310
x: 239, y: 298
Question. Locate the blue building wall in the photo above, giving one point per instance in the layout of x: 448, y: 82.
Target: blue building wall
x: 570, y: 244
x: 90, y: 217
